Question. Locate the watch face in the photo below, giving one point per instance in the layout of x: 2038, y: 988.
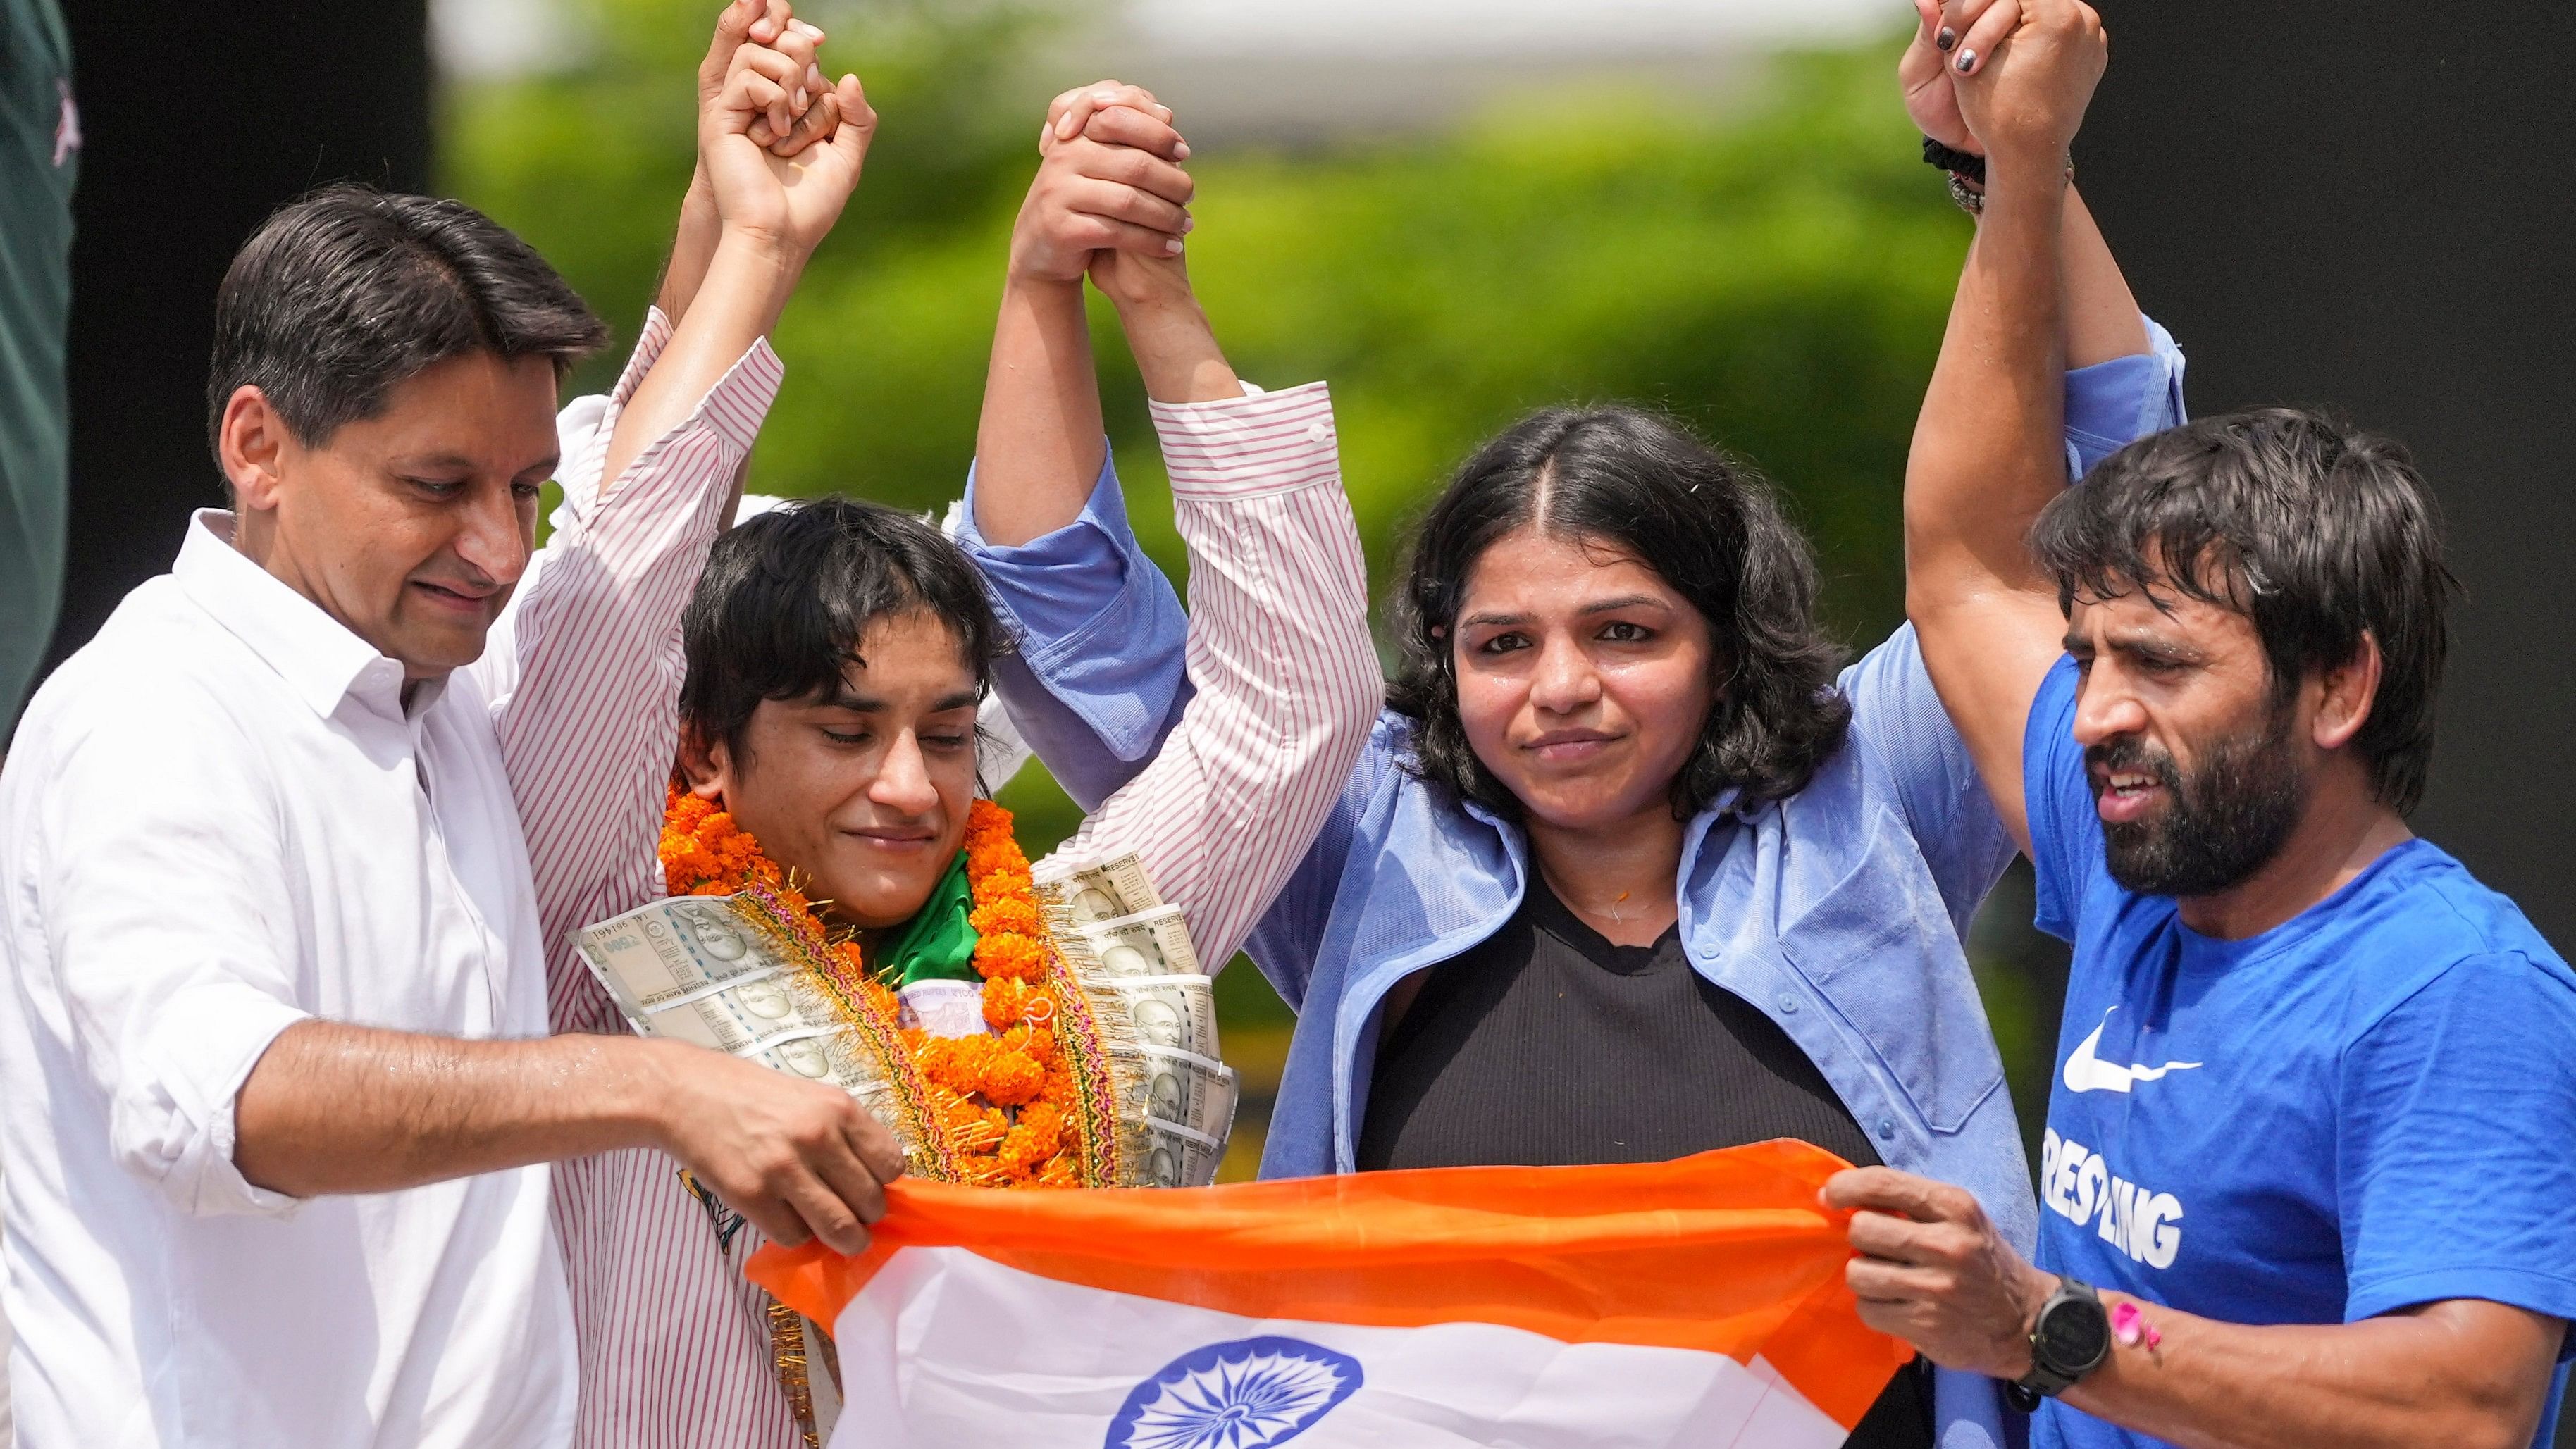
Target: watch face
x: 2073, y: 1334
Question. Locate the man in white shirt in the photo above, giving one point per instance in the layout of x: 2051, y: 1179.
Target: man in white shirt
x: 275, y: 1089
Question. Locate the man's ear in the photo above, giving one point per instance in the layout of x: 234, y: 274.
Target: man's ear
x: 2348, y: 691
x: 707, y: 766
x: 252, y: 441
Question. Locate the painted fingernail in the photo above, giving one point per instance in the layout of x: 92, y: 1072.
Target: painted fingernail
x: 1966, y: 62
x: 1946, y: 39
x: 1171, y: 246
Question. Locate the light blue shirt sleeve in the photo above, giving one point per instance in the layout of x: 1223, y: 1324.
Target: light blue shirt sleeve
x: 1918, y: 757
x: 1100, y: 674
x: 2113, y: 404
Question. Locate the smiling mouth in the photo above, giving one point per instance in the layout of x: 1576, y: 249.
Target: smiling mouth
x: 453, y: 598
x: 878, y: 840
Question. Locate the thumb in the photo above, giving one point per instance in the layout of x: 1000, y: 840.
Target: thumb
x: 733, y: 28
x: 858, y: 123
x: 1924, y: 53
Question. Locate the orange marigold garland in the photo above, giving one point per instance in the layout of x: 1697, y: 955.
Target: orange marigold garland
x: 1002, y: 1105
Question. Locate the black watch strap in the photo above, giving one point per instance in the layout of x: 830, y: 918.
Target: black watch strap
x: 2051, y: 1372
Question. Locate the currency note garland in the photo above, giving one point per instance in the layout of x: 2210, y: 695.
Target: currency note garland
x: 1034, y: 1105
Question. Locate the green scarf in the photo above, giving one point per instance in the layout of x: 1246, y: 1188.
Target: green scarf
x: 937, y: 944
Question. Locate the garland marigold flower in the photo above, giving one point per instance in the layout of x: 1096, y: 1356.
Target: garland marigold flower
x: 1000, y: 1103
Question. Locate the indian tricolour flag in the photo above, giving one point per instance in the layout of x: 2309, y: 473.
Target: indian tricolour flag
x: 1698, y: 1302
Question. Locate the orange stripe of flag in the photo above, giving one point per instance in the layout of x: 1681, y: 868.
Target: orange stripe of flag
x: 1726, y: 1252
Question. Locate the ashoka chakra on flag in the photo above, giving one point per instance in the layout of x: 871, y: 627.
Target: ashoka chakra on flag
x: 1248, y: 1394
x: 1698, y: 1302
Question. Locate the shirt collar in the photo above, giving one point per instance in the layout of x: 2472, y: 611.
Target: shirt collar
x: 317, y: 655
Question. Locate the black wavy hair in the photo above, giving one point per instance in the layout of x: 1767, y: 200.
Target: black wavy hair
x: 1709, y: 525
x: 787, y: 596
x: 2316, y: 531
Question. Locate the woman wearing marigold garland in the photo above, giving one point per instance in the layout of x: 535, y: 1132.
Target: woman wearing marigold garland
x: 835, y: 657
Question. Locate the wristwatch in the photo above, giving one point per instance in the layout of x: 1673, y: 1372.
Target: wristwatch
x: 2069, y: 1339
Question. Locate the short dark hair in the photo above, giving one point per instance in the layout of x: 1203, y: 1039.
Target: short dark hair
x: 1709, y: 525
x: 787, y: 596
x: 2316, y: 531
x: 347, y: 291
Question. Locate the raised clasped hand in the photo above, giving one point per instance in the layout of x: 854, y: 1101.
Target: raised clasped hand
x: 1110, y: 198
x: 1997, y: 76
x: 780, y: 147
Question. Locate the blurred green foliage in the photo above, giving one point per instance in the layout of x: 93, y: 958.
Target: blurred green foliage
x: 1775, y: 270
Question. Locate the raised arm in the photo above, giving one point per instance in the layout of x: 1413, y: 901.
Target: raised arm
x: 1286, y: 678
x: 1989, y: 450
x: 590, y: 709
x: 1115, y: 183
x: 1278, y: 647
x: 772, y: 212
x: 2101, y: 320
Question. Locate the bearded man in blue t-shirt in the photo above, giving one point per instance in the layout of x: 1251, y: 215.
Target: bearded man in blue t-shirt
x: 2309, y: 1176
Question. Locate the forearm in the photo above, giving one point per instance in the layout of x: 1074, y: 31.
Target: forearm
x: 1176, y: 351
x: 2400, y: 1381
x: 1988, y: 451
x: 1989, y: 454
x: 693, y: 248
x: 334, y: 1108
x: 747, y: 283
x: 1038, y: 445
x: 1286, y: 679
x: 2103, y: 319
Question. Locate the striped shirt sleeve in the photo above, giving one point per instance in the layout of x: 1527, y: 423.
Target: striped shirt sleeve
x: 1279, y: 654
x: 587, y: 730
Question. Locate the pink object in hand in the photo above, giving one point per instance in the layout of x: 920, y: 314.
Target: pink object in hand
x: 2132, y: 1328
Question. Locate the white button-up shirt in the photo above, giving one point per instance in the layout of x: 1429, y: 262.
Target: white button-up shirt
x: 221, y: 818
x: 218, y: 819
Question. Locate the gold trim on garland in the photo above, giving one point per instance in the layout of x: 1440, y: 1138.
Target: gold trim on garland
x: 787, y: 1353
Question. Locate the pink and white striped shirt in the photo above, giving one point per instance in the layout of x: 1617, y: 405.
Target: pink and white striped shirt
x: 674, y: 1342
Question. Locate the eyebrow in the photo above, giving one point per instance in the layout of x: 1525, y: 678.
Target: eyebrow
x: 462, y: 463
x: 857, y: 703
x: 2132, y: 643
x: 1598, y: 606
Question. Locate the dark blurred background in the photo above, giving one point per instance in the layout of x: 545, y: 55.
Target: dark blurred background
x: 2360, y: 204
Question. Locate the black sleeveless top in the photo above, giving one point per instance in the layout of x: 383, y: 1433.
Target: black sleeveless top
x: 1547, y: 1046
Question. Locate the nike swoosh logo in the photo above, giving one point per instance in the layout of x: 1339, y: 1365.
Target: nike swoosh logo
x: 2086, y: 1072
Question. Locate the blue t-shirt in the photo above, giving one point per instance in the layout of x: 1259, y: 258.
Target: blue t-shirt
x: 2370, y: 1106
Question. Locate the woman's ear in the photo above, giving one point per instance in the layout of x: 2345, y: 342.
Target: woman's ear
x: 707, y: 767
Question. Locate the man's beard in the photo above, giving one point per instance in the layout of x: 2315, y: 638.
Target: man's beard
x: 2217, y: 827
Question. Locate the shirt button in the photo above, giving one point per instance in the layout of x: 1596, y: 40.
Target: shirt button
x: 1788, y: 1006
x: 1319, y: 432
x: 1886, y: 1128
